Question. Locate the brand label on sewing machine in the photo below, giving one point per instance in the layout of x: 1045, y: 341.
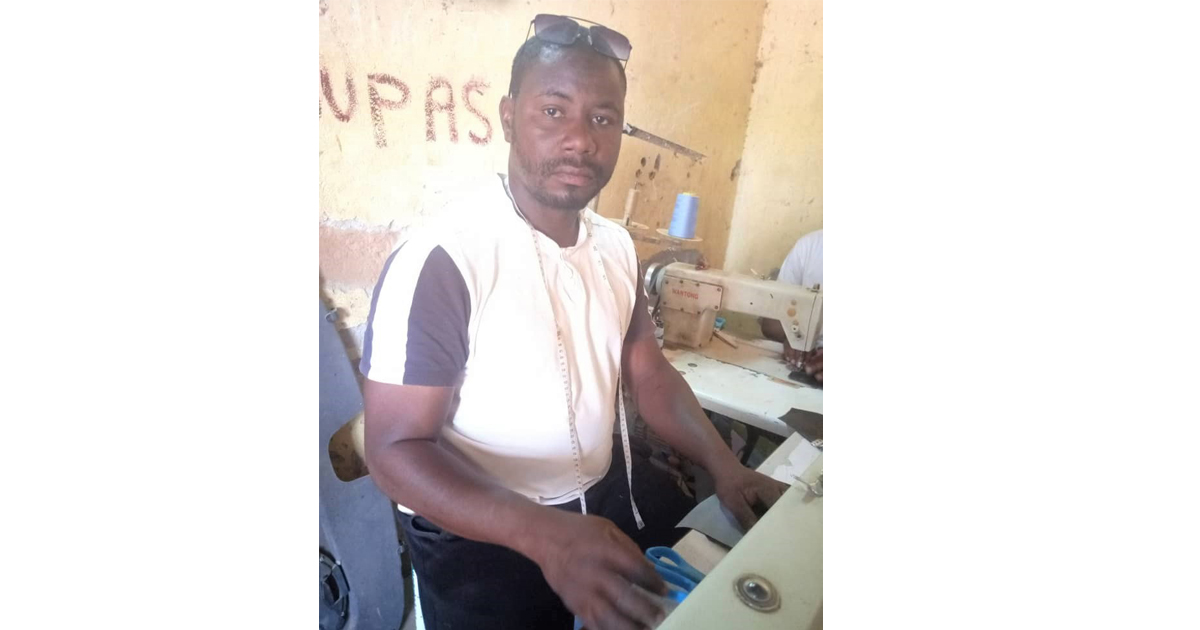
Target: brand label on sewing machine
x: 690, y: 296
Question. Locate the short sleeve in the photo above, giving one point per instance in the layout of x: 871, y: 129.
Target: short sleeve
x: 417, y: 330
x: 792, y: 270
x: 803, y: 265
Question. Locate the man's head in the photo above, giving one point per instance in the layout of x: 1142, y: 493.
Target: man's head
x: 563, y: 119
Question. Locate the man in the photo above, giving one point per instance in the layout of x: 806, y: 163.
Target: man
x: 803, y: 266
x: 495, y: 348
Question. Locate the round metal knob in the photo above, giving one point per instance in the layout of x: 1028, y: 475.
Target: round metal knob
x: 757, y: 592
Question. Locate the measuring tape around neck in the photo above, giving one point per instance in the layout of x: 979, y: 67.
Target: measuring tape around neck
x: 564, y: 368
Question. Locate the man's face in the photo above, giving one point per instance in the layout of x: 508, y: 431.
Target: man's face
x: 565, y: 127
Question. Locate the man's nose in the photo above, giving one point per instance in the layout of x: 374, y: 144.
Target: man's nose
x: 578, y: 138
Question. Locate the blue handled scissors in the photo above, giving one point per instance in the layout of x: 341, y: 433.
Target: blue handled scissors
x: 680, y: 576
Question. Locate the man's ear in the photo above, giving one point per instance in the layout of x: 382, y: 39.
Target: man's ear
x: 506, y: 117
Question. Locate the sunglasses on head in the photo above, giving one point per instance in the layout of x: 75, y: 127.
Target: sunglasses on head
x: 565, y: 31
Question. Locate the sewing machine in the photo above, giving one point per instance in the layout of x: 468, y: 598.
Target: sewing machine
x: 689, y: 299
x: 756, y: 585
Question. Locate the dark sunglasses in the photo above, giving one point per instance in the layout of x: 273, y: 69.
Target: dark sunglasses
x: 565, y: 31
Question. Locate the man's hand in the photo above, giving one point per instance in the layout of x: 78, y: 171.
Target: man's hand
x: 597, y: 571
x: 813, y: 362
x: 743, y: 491
x: 792, y: 356
x: 772, y: 329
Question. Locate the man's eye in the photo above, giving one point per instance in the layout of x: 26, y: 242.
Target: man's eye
x: 601, y: 120
x: 552, y: 112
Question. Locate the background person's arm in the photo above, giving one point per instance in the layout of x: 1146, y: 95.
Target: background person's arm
x: 773, y: 329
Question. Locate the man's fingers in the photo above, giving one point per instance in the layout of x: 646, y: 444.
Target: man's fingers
x: 638, y: 570
x: 614, y: 615
x: 777, y: 488
x: 762, y: 495
x: 814, y: 361
x: 742, y: 512
x: 811, y: 368
x: 635, y: 602
x: 769, y: 491
x: 627, y: 558
x: 815, y: 364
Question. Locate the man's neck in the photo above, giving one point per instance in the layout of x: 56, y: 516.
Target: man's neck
x: 560, y: 225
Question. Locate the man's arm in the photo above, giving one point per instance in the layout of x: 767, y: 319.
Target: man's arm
x: 667, y: 403
x: 773, y: 329
x: 410, y: 466
x: 415, y: 354
x: 587, y: 560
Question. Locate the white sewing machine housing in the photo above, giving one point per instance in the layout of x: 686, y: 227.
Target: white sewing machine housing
x: 690, y: 298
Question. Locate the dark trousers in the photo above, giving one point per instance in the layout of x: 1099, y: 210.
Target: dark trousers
x: 469, y: 585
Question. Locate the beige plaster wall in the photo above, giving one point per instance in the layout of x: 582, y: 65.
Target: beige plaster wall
x: 779, y: 197
x: 394, y: 75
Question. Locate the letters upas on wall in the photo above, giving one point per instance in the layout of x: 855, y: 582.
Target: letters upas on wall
x: 387, y: 93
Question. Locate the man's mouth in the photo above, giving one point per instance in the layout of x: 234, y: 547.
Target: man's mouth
x: 574, y: 176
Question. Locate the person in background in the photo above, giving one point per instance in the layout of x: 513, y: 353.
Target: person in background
x: 802, y: 266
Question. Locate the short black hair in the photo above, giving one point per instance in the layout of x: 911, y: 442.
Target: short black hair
x: 533, y: 49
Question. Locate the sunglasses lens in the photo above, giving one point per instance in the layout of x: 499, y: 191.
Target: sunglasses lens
x: 611, y: 43
x: 560, y: 29
x: 556, y: 29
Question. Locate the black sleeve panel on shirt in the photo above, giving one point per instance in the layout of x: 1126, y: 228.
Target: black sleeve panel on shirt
x: 437, y: 324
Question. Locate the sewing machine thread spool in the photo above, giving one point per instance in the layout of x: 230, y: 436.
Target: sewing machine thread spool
x: 630, y: 201
x: 683, y: 219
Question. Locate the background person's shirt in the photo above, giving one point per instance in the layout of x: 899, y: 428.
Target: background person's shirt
x: 803, y: 264
x: 465, y: 301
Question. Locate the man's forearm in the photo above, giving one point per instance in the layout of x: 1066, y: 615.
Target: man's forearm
x: 670, y: 408
x: 772, y: 329
x: 424, y: 477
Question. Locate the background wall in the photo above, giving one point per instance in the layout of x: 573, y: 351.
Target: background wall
x: 779, y: 197
x: 408, y: 96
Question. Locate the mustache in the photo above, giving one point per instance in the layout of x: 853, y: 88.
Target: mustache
x: 550, y: 166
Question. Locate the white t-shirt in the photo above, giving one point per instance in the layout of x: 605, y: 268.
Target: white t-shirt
x: 464, y: 301
x: 803, y: 264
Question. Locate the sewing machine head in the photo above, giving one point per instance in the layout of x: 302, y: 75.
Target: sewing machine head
x: 689, y: 299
